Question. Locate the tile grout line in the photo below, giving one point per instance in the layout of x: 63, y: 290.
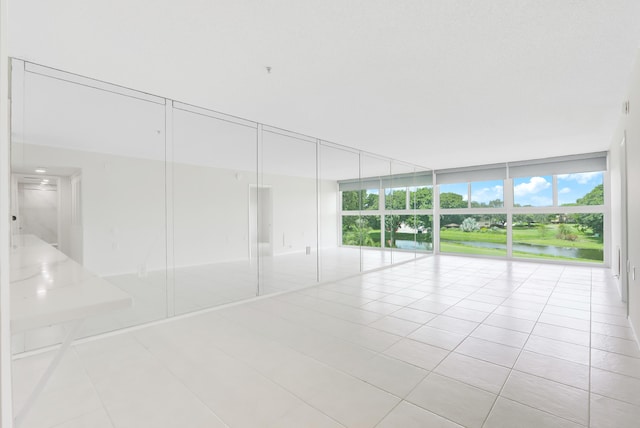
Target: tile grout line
x: 511, y: 369
x: 451, y: 351
x: 93, y: 386
x: 377, y: 353
x: 429, y: 372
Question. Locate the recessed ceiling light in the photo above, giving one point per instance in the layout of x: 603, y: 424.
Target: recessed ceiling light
x: 46, y: 180
x: 41, y: 170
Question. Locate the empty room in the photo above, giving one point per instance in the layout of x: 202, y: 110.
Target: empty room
x: 319, y: 213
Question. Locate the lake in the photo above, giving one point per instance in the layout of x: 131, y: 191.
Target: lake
x: 545, y: 250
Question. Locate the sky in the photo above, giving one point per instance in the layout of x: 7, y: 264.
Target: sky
x: 533, y: 191
x: 574, y: 186
x: 538, y: 191
x: 481, y: 191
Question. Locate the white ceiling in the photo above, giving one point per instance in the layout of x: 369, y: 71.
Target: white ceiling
x: 438, y: 83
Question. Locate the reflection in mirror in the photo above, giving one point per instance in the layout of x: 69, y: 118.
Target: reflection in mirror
x: 376, y: 251
x: 108, y: 212
x: 214, y: 209
x: 184, y: 208
x: 338, y: 259
x: 288, y: 205
x: 401, y: 229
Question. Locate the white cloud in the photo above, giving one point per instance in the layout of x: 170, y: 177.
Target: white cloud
x: 564, y: 190
x: 487, y: 194
x: 581, y: 178
x: 535, y: 185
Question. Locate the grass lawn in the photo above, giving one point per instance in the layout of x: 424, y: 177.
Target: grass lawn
x: 532, y: 236
x: 450, y: 247
x: 452, y: 241
x: 547, y: 236
x: 547, y: 257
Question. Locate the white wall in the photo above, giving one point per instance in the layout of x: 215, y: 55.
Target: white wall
x: 123, y: 205
x: 630, y: 127
x: 123, y: 209
x: 618, y: 255
x: 64, y: 216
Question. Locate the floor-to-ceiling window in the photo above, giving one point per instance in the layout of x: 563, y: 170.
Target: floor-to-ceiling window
x: 559, y: 216
x: 472, y: 216
x: 551, y: 209
x: 393, y: 212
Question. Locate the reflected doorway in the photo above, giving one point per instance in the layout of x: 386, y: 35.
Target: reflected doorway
x: 49, y: 207
x: 260, y: 221
x: 37, y: 201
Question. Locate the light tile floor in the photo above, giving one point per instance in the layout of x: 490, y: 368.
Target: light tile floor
x: 444, y: 341
x: 205, y: 286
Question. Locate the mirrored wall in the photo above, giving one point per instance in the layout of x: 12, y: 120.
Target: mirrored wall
x: 185, y: 208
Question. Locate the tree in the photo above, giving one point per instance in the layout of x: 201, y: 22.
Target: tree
x: 392, y: 224
x: 452, y: 200
x: 496, y: 203
x: 396, y: 200
x: 354, y: 200
x: 370, y: 201
x: 347, y: 222
x: 413, y: 221
x: 351, y: 200
x: 422, y: 198
x: 594, y: 197
x: 593, y: 221
x: 358, y: 233
x: 566, y: 232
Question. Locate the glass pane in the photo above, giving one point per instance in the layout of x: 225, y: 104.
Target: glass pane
x: 474, y: 234
x: 290, y: 206
x: 370, y: 199
x: 395, y: 198
x: 487, y: 194
x: 397, y: 237
x: 375, y: 251
x: 454, y: 195
x: 581, y: 189
x: 352, y: 199
x: 576, y: 237
x: 413, y: 233
x: 421, y: 197
x: 337, y: 258
x: 104, y: 156
x: 214, y: 211
x: 533, y: 192
x: 361, y: 230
